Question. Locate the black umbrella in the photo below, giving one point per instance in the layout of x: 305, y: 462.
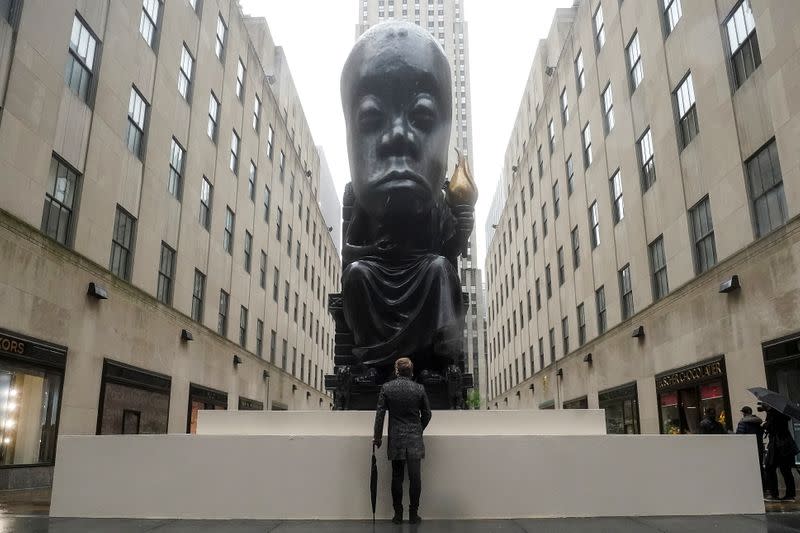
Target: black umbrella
x: 779, y: 402
x: 373, y: 483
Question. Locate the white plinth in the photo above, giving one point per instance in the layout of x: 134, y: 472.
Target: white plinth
x: 360, y: 423
x: 324, y: 477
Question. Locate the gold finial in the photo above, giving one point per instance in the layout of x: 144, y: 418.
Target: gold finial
x: 462, y: 189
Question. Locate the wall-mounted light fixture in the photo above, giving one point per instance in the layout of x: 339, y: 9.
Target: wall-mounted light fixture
x: 96, y: 291
x: 265, y: 375
x: 532, y: 388
x: 730, y: 285
x: 638, y: 333
x: 588, y: 358
x: 186, y: 335
x: 308, y: 395
x: 506, y: 400
x: 236, y: 360
x: 320, y: 402
x: 294, y: 388
x: 560, y: 373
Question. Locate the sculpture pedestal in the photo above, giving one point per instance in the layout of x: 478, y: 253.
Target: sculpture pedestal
x: 472, y: 472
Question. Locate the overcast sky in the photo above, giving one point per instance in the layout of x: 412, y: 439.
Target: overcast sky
x: 317, y: 36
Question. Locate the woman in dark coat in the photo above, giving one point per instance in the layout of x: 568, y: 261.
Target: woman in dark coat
x: 781, y: 451
x: 409, y: 414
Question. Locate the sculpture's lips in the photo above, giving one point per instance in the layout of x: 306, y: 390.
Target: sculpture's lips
x: 401, y: 175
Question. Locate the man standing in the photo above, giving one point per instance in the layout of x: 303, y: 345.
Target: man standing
x: 751, y: 425
x: 409, y: 414
x: 781, y: 451
x: 709, y: 425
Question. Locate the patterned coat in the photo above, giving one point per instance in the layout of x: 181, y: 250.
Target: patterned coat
x: 409, y: 414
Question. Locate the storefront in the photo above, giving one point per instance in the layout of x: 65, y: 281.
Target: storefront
x: 621, y: 405
x: 246, y: 404
x: 577, y: 403
x: 201, y: 398
x: 31, y: 379
x: 132, y: 400
x: 782, y: 366
x: 684, y: 394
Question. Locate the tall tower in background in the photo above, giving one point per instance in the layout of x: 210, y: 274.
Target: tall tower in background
x: 445, y: 20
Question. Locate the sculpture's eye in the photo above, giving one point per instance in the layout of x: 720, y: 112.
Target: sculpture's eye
x: 423, y: 114
x: 369, y: 116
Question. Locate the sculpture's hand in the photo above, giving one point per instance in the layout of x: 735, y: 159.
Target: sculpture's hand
x: 465, y: 222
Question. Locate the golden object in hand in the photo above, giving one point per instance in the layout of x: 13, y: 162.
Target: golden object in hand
x: 462, y: 189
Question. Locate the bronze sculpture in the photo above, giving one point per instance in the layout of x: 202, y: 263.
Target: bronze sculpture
x: 404, y: 225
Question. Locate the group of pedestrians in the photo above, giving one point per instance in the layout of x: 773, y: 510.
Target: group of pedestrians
x: 780, y: 451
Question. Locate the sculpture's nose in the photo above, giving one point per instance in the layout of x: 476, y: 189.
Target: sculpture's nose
x: 399, y: 140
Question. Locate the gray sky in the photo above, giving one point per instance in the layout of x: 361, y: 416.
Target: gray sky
x: 317, y: 36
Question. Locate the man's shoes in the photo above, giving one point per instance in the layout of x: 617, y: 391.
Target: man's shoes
x: 788, y: 498
x: 414, y: 518
x: 398, y: 517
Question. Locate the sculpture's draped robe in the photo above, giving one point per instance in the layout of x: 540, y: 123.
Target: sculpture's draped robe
x: 402, y: 296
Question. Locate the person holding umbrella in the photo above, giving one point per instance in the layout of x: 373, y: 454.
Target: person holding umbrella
x: 409, y: 414
x: 780, y: 453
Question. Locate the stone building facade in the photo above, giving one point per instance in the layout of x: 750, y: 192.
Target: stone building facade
x: 643, y: 255
x: 162, y: 249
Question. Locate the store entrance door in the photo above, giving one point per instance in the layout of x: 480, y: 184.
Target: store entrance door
x: 782, y: 366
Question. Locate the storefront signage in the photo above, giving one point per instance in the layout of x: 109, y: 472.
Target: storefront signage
x: 31, y: 350
x: 693, y: 374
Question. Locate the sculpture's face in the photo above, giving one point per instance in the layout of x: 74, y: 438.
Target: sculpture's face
x: 397, y: 103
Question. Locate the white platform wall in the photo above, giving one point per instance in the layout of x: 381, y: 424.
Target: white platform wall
x: 291, y: 477
x: 360, y: 423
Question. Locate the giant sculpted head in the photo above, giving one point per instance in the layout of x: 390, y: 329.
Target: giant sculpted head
x: 397, y: 101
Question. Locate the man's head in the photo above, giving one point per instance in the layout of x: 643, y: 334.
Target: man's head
x: 404, y: 367
x: 746, y: 410
x: 397, y: 102
x: 711, y: 413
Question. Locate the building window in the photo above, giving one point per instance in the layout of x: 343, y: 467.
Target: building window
x: 594, y: 225
x: 257, y: 114
x: 608, y: 109
x: 570, y: 175
x: 621, y: 406
x: 234, y: 162
x: 289, y: 240
x: 213, y: 115
x: 276, y: 275
x: 539, y: 160
x: 60, y: 201
x: 137, y: 113
x: 626, y: 292
x: 687, y: 111
x: 260, y: 338
x: 281, y: 165
x: 175, y: 179
x: 705, y: 251
x: 552, y: 339
x: 262, y: 278
x: 551, y: 136
x: 251, y: 181
x: 616, y: 197
x: 580, y: 75
x: 599, y: 28
x: 240, y: 71
x: 743, y: 41
x: 132, y: 401
x: 548, y: 283
x: 272, y: 345
x: 564, y: 106
x: 147, y: 23
x: 658, y: 268
x: 565, y: 334
x: 248, y: 251
x: 82, y: 48
x: 587, y: 146
x: 576, y: 248
x: 646, y: 159
x: 166, y: 273
x: 556, y: 200
x: 285, y: 296
x: 185, y: 73
x: 266, y: 203
x: 766, y: 189
x: 243, y: 327
x: 227, y: 235
x: 560, y: 258
x: 222, y: 317
x: 198, y: 295
x: 672, y: 14
x: 600, y: 303
x: 122, y: 244
x: 278, y: 224
x: 635, y: 66
x: 222, y: 31
x: 270, y: 138
x: 544, y: 220
x: 538, y: 295
x: 581, y: 325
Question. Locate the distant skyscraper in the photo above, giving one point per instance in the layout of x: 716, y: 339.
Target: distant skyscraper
x: 444, y: 19
x: 330, y: 203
